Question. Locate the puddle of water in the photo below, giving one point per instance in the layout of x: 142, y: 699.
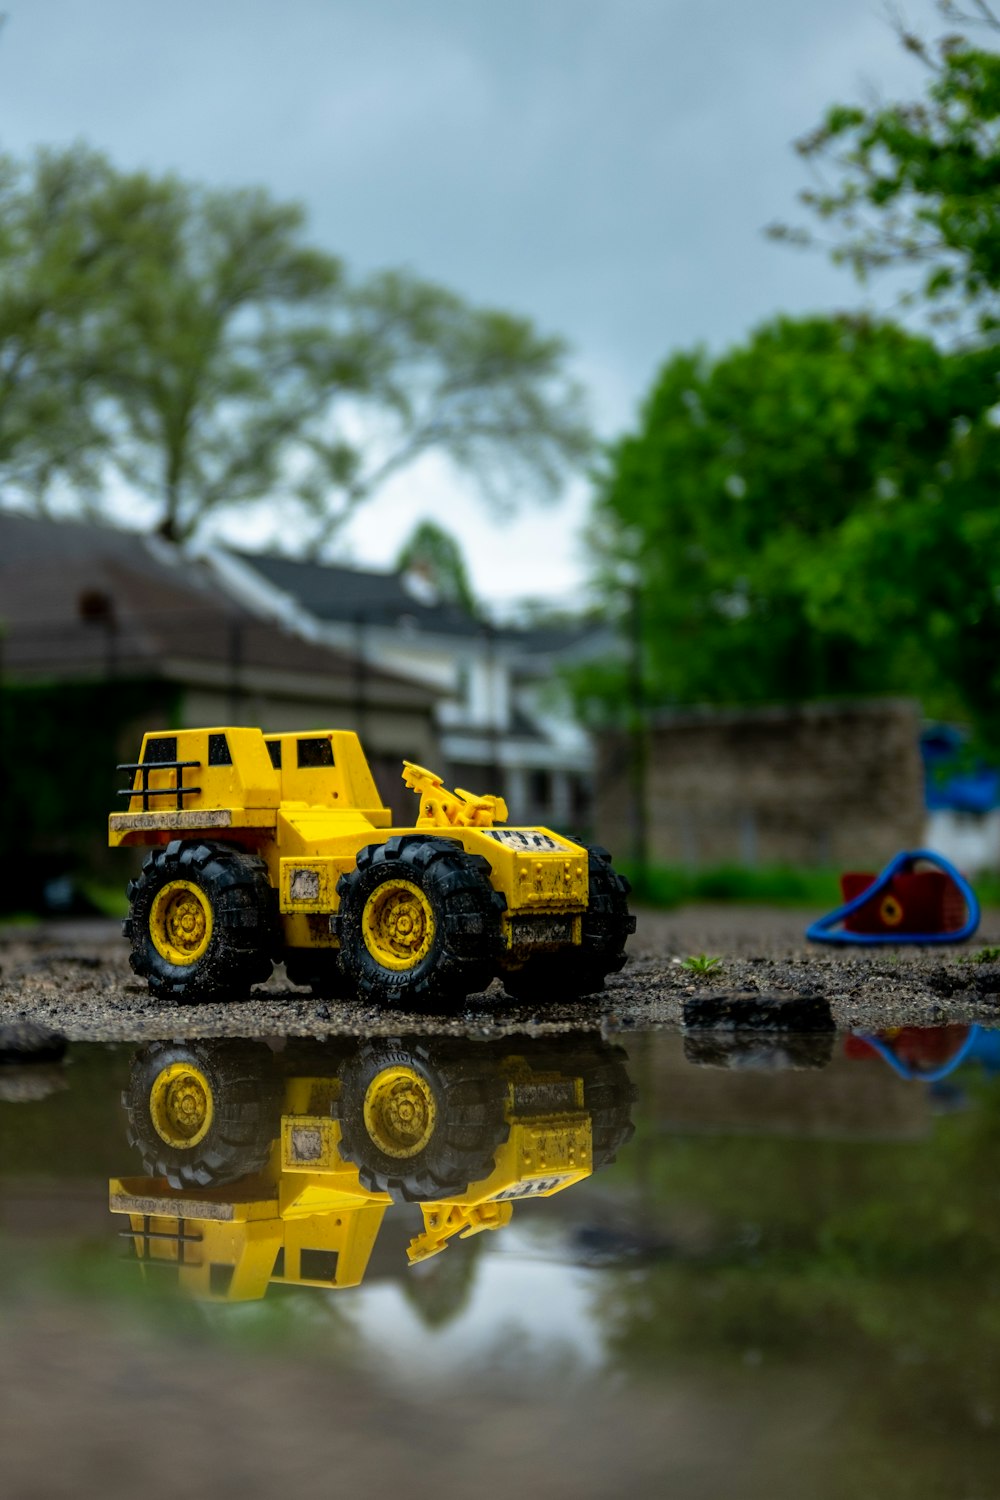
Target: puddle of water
x: 777, y: 1259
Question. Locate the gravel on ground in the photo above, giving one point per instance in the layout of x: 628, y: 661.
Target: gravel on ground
x: 74, y: 978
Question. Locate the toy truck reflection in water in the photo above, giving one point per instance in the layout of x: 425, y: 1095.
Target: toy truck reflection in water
x: 269, y: 1168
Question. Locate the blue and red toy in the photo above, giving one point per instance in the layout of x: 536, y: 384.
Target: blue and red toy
x: 902, y: 904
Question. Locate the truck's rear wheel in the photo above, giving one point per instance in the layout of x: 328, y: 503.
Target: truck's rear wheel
x: 567, y: 973
x: 202, y: 1114
x: 201, y: 921
x: 420, y: 1120
x: 419, y: 923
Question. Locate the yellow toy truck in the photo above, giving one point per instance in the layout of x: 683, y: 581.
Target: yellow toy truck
x: 278, y: 1168
x: 277, y: 848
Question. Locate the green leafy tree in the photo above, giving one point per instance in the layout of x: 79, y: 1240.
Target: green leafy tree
x: 430, y: 373
x: 215, y: 314
x: 437, y: 555
x: 195, y: 340
x: 56, y: 273
x: 810, y: 514
x: 916, y: 184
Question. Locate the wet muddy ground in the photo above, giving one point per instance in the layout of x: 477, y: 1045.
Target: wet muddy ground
x: 74, y: 977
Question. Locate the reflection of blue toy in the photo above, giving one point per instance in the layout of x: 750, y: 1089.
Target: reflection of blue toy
x: 980, y: 1044
x: 821, y: 931
x: 914, y: 1074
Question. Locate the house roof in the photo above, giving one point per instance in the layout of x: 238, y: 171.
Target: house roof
x: 330, y: 592
x: 77, y: 598
x: 334, y: 593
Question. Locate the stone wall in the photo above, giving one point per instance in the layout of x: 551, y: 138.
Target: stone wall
x: 822, y: 784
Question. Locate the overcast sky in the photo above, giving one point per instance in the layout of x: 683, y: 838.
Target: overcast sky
x: 605, y: 166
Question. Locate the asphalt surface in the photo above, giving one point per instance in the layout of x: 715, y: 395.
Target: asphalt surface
x: 74, y: 978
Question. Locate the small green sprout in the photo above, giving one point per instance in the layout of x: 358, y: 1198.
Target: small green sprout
x: 700, y: 963
x: 986, y: 956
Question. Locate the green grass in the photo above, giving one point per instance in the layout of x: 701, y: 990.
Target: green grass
x: 110, y: 900
x: 700, y: 963
x: 770, y: 885
x: 16, y: 919
x: 987, y: 888
x: 774, y: 885
x: 984, y: 956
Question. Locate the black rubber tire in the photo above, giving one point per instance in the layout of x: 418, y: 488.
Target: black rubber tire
x: 568, y: 973
x: 608, y: 1091
x: 470, y: 1095
x: 239, y: 892
x: 319, y: 970
x: 246, y: 1097
x: 464, y: 954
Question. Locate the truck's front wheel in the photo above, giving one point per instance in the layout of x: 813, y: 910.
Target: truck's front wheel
x: 419, y: 923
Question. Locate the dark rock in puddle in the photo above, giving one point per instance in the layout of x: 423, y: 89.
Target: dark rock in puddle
x: 758, y: 1051
x: 28, y: 1084
x: 730, y: 1010
x: 24, y: 1042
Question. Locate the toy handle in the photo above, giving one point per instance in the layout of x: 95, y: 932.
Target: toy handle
x: 819, y: 931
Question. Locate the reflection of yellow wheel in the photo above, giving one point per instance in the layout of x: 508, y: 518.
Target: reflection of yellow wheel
x: 181, y: 1105
x: 180, y: 922
x: 397, y: 924
x: 891, y: 912
x: 400, y: 1112
x: 202, y: 1114
x: 421, y: 1119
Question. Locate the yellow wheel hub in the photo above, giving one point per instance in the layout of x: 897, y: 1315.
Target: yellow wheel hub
x: 180, y: 922
x: 180, y: 1105
x: 398, y: 924
x: 400, y: 1112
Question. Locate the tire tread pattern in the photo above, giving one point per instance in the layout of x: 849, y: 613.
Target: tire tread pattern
x: 246, y: 1093
x: 470, y: 1095
x: 464, y: 955
x: 243, y: 921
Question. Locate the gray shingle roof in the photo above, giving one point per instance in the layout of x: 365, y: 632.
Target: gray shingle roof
x: 164, y: 608
x: 330, y: 592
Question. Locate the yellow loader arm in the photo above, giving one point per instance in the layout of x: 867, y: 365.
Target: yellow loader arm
x: 440, y: 808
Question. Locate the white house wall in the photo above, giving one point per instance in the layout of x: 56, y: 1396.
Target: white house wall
x: 491, y: 690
